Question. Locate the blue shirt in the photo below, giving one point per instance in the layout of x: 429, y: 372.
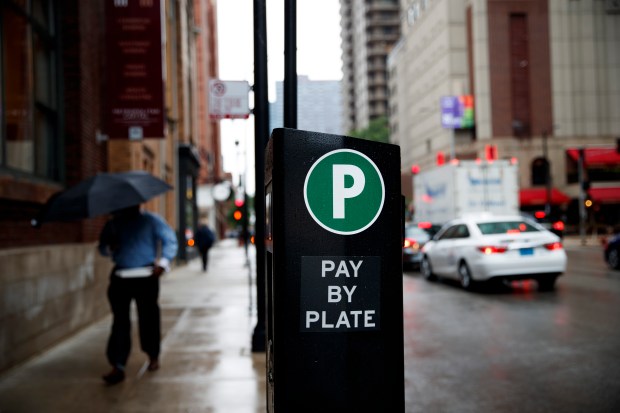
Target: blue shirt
x: 134, y: 242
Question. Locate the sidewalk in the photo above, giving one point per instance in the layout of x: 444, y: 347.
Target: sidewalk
x: 587, y: 241
x: 206, y: 361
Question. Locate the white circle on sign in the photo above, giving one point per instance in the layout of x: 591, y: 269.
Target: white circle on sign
x: 221, y: 191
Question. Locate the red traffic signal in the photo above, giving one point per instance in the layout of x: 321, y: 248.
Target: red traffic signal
x: 490, y: 152
x: 441, y: 158
x: 239, y: 203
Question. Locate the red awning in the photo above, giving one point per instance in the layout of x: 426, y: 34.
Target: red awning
x: 596, y: 156
x: 605, y: 195
x: 538, y: 196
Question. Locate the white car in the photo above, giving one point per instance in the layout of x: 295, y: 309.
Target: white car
x: 484, y: 247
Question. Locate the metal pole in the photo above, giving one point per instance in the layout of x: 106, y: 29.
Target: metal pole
x: 290, y: 64
x: 582, y: 197
x: 261, y: 126
x: 547, y: 175
x: 452, y: 143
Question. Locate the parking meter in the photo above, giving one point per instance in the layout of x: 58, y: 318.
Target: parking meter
x: 334, y: 274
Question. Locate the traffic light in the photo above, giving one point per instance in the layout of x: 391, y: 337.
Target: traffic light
x: 441, y: 158
x: 238, y: 212
x: 585, y: 185
x: 490, y: 152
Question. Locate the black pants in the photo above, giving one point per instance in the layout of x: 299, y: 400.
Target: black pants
x: 120, y: 294
x: 204, y: 254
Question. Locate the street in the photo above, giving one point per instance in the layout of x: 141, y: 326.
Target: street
x: 515, y: 349
x: 494, y: 350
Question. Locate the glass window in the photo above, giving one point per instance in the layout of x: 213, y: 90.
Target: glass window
x: 28, y: 88
x: 418, y: 234
x: 461, y: 231
x: 448, y: 233
x: 506, y: 227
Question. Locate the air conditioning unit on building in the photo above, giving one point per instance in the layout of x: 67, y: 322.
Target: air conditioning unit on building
x: 612, y: 6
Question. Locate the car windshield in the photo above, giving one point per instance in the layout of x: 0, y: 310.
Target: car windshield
x: 506, y: 227
x: 417, y: 234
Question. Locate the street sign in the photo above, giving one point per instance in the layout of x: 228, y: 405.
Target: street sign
x: 344, y: 191
x: 333, y: 269
x: 229, y: 99
x: 457, y: 112
x: 134, y: 95
x: 340, y: 293
x: 221, y: 192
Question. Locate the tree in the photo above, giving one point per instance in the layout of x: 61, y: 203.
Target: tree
x: 377, y: 131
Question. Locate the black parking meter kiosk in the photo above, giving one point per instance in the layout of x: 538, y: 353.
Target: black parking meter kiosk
x: 334, y: 274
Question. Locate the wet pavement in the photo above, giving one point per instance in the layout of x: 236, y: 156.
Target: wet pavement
x: 515, y: 349
x: 508, y: 349
x: 206, y: 361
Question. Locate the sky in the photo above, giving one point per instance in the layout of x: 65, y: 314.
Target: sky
x: 318, y: 57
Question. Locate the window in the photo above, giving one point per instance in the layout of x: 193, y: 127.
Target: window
x: 29, y: 125
x: 461, y: 232
x: 505, y: 227
x: 540, y: 168
x: 520, y: 74
x: 448, y: 233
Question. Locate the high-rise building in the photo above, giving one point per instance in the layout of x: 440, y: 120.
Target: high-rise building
x: 369, y: 29
x: 544, y: 78
x: 319, y: 106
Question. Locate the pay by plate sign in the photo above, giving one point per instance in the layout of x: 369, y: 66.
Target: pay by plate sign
x: 228, y: 99
x: 344, y: 193
x: 333, y: 266
x: 340, y: 293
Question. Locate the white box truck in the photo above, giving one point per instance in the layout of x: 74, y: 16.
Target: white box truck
x: 449, y: 191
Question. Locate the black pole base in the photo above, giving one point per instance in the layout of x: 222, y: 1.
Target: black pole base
x: 258, y: 339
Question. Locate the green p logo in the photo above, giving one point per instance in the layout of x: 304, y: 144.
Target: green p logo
x: 344, y: 191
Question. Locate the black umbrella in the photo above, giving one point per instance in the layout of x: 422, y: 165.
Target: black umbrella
x: 101, y: 194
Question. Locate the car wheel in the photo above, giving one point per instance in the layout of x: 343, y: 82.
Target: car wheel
x: 547, y: 283
x: 467, y: 282
x: 426, y: 269
x: 614, y: 259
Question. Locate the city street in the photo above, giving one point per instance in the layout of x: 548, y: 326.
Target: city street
x: 516, y: 349
x: 495, y: 350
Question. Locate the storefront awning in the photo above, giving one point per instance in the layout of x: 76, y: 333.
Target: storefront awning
x: 596, y: 156
x: 605, y: 195
x: 538, y: 196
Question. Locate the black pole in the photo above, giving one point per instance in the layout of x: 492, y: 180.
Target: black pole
x: 548, y: 181
x: 583, y: 214
x: 261, y: 131
x: 290, y: 64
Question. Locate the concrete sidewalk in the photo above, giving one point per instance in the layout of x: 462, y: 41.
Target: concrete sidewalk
x: 587, y: 241
x: 206, y: 361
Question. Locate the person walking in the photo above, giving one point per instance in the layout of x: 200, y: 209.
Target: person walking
x: 204, y: 239
x: 133, y: 238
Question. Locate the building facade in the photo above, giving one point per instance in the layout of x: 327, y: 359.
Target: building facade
x: 319, y: 106
x: 369, y: 29
x: 545, y: 82
x: 55, y: 94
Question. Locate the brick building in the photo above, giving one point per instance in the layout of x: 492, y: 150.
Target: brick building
x: 55, y: 92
